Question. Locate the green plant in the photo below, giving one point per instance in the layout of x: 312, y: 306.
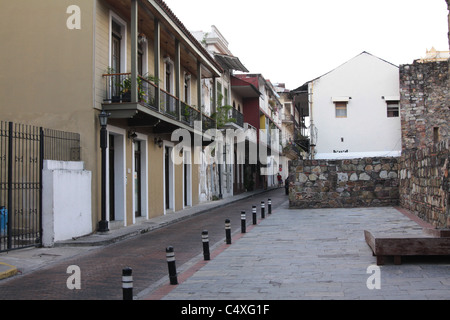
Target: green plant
x: 126, y: 88
x: 221, y: 116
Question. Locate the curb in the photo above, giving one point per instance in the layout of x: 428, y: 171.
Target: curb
x: 98, y: 239
x: 7, y: 270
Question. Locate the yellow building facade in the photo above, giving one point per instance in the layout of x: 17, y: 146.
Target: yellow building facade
x: 64, y: 62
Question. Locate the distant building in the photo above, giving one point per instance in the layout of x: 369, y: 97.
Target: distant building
x: 291, y: 138
x: 354, y: 110
x: 227, y: 179
x: 433, y: 55
x: 261, y: 112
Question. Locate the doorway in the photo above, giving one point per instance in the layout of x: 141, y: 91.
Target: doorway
x: 187, y: 180
x: 116, y: 183
x: 112, y: 169
x: 137, y: 179
x: 168, y: 179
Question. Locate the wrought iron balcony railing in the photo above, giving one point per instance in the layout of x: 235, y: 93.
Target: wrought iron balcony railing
x: 208, y: 123
x: 239, y: 117
x: 169, y: 104
x: 118, y: 90
x: 189, y: 114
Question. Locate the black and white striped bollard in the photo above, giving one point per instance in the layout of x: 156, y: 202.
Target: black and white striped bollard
x: 205, y: 240
x: 263, y: 206
x: 255, y: 221
x: 243, y: 222
x: 127, y: 284
x: 170, y: 256
x: 269, y: 206
x: 228, y: 231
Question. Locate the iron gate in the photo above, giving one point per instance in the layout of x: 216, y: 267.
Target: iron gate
x: 23, y: 149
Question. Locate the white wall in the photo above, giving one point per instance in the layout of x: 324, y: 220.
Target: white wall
x: 367, y: 131
x: 66, y: 201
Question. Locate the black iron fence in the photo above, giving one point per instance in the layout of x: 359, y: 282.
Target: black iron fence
x: 23, y: 149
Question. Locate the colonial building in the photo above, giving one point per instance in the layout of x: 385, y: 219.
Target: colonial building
x: 354, y: 110
x: 261, y: 112
x: 295, y: 145
x: 225, y: 179
x: 69, y: 61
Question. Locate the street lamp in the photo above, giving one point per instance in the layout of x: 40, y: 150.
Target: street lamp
x: 103, y: 118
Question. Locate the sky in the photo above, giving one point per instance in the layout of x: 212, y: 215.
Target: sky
x: 294, y: 41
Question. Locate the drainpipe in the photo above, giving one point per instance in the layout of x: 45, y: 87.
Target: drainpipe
x: 312, y: 131
x: 157, y: 52
x: 134, y: 49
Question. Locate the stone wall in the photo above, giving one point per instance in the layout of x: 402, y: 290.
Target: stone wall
x: 344, y: 183
x: 425, y: 116
x: 424, y: 103
x: 424, y: 184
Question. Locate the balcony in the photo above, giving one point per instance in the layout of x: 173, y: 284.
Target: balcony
x: 168, y: 108
x: 304, y: 143
x: 287, y: 118
x: 238, y: 117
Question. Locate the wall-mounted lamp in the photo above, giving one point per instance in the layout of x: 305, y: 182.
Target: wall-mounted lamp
x: 159, y: 142
x: 142, y: 38
x: 132, y: 135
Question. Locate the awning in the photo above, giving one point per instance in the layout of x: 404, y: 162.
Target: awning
x: 341, y: 99
x: 230, y: 62
x: 244, y: 88
x: 391, y: 98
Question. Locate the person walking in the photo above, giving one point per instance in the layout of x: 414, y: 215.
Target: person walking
x: 280, y: 181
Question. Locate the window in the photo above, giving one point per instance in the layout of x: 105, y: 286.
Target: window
x: 219, y: 95
x: 341, y: 109
x: 225, y: 96
x: 435, y: 134
x: 392, y: 109
x: 141, y: 59
x: 169, y: 87
x: 187, y: 88
x: 118, y: 41
x: 116, y: 56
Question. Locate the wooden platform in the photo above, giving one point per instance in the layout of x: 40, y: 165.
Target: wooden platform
x: 398, y: 246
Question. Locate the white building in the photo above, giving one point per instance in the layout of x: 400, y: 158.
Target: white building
x: 354, y: 110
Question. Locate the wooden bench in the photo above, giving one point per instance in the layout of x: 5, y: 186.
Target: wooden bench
x: 398, y: 246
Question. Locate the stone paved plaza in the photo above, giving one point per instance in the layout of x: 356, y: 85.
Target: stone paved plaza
x: 317, y: 254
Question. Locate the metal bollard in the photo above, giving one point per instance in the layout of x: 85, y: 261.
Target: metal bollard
x: 243, y: 222
x: 127, y: 284
x: 228, y: 230
x: 205, y: 240
x: 170, y: 255
x: 269, y: 206
x: 255, y: 221
x: 262, y: 210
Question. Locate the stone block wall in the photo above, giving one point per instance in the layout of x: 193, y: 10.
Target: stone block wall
x: 424, y: 184
x: 344, y: 183
x: 424, y: 104
x: 425, y: 116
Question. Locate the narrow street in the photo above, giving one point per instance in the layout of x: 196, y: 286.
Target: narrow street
x: 101, y: 269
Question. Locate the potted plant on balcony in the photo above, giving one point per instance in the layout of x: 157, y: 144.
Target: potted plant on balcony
x: 126, y: 90
x: 222, y: 114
